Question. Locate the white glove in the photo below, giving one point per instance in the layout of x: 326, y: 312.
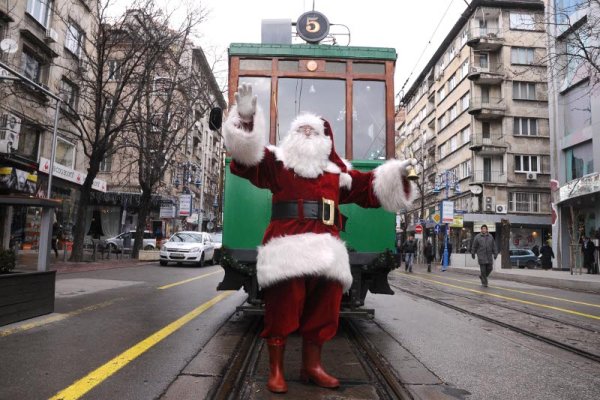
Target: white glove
x: 246, y: 103
x: 407, y: 165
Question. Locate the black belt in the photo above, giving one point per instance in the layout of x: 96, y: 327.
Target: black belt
x: 323, y: 210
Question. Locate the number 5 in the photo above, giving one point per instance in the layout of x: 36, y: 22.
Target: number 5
x: 312, y: 25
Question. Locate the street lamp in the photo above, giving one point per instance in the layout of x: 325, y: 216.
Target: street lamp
x: 447, y: 180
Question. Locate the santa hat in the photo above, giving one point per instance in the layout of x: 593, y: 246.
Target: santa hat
x: 322, y: 127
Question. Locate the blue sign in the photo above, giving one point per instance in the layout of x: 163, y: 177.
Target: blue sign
x: 436, y: 229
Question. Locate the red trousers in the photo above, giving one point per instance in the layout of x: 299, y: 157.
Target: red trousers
x: 308, y: 304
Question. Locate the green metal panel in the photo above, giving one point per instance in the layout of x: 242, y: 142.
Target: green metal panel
x: 371, y: 230
x: 248, y: 210
x: 310, y: 50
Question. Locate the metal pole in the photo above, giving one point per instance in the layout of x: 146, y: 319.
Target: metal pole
x: 53, y: 149
x: 445, y: 257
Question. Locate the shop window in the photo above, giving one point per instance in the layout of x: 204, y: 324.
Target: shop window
x: 65, y: 153
x: 40, y: 10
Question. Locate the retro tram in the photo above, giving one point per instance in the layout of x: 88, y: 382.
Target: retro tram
x: 352, y: 88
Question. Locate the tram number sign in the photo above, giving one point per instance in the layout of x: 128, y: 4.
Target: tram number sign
x: 312, y: 26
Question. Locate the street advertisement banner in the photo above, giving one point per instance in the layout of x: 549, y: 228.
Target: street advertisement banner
x: 71, y: 175
x: 185, y: 205
x: 490, y: 225
x: 447, y: 212
x: 167, y: 210
x: 457, y: 222
x: 14, y: 179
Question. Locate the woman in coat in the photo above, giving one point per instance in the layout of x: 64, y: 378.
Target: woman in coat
x: 428, y: 253
x: 547, y: 256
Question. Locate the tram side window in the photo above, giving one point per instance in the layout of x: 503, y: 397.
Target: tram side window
x: 262, y: 88
x: 324, y: 97
x: 368, y: 120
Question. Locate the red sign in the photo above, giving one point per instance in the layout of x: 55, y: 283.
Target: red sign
x: 419, y: 229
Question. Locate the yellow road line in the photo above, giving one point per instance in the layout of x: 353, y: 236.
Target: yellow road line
x: 531, y: 303
x: 189, y: 280
x: 56, y: 318
x: 96, y: 377
x: 524, y: 292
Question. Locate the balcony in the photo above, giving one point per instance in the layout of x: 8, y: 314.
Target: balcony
x: 489, y: 144
x: 485, y: 39
x: 492, y: 74
x: 487, y: 107
x: 489, y: 177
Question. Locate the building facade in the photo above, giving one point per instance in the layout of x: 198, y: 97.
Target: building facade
x: 477, y: 122
x: 574, y: 106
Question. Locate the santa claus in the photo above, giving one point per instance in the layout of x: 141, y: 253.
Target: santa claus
x: 302, y: 265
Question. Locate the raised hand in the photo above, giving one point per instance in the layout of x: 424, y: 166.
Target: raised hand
x: 407, y: 165
x: 246, y: 102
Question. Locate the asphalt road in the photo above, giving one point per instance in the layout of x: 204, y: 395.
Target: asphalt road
x: 119, y: 315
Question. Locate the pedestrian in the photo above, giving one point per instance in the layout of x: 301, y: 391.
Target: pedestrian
x: 398, y: 253
x: 409, y: 249
x: 56, y: 234
x: 428, y: 253
x: 536, y: 250
x: 547, y: 254
x: 484, y: 246
x: 587, y: 249
x: 303, y: 266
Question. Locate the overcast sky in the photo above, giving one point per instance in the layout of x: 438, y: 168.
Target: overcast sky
x: 405, y: 25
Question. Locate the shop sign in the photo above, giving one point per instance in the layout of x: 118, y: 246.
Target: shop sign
x: 71, y: 175
x: 447, y: 212
x: 185, y: 205
x: 167, y: 211
x: 579, y: 187
x: 490, y: 225
x: 457, y: 222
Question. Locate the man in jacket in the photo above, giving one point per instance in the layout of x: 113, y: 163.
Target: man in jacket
x: 485, y: 248
x: 408, y: 249
x: 588, y: 248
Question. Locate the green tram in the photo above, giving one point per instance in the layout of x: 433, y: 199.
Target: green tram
x: 352, y: 88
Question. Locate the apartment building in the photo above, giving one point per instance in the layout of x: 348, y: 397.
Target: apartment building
x: 44, y: 41
x: 574, y: 109
x: 477, y: 121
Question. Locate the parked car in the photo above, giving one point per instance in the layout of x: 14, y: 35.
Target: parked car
x: 524, y: 258
x: 217, y: 238
x: 116, y: 243
x: 188, y: 247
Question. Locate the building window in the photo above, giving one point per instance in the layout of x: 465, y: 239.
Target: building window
x: 162, y: 85
x: 114, y: 70
x: 522, y: 55
x: 484, y: 60
x: 31, y: 66
x: 442, y: 92
x: 465, y: 169
x: 579, y: 160
x: 74, y: 40
x: 523, y: 91
x: 40, y: 10
x: 106, y: 163
x: 522, y: 21
x: 453, y: 112
x: 70, y: 94
x: 524, y: 202
x: 566, y: 8
x: 464, y: 101
x: 452, y: 83
x: 443, y: 121
x: 29, y: 141
x: 65, y: 153
x: 527, y: 164
x: 463, y: 37
x: 577, y: 108
x: 466, y: 135
x: 453, y: 144
x: 464, y: 69
x: 525, y: 126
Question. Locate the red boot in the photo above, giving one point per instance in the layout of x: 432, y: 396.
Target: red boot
x: 276, y: 382
x: 312, y: 370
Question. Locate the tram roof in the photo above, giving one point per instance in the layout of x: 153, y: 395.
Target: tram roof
x: 311, y: 50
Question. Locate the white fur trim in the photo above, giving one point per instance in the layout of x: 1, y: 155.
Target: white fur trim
x: 307, y: 254
x: 309, y: 119
x: 332, y: 168
x: 388, y: 186
x: 246, y: 148
x: 347, y: 163
x: 345, y: 180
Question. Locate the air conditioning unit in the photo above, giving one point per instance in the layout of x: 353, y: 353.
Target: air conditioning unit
x: 501, y: 209
x: 489, y: 204
x: 10, y: 127
x: 51, y: 35
x: 532, y: 176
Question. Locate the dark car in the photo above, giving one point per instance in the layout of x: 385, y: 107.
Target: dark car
x: 522, y: 258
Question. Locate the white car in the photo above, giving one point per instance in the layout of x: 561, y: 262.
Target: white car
x: 188, y: 247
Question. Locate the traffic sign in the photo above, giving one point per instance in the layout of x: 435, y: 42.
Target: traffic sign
x: 436, y: 218
x: 436, y: 229
x: 419, y: 229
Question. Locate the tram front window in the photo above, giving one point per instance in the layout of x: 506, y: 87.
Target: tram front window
x: 323, y: 97
x: 262, y: 88
x: 368, y: 120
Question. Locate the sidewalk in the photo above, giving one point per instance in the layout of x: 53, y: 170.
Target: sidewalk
x: 551, y: 278
x: 27, y: 261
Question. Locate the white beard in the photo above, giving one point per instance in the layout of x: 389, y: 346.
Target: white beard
x: 307, y: 156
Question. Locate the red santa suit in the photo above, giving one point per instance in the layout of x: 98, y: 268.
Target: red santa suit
x: 303, y: 266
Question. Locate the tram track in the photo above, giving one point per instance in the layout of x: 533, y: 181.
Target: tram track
x: 243, y: 366
x: 513, y: 327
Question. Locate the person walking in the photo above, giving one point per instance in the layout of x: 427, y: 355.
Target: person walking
x: 536, y: 250
x: 587, y: 249
x: 547, y: 254
x: 56, y: 235
x: 428, y: 253
x: 408, y: 249
x: 484, y: 246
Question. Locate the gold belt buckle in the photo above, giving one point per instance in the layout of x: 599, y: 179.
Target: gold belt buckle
x: 331, y: 204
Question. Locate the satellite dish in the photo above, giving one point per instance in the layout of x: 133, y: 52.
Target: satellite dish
x: 8, y: 46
